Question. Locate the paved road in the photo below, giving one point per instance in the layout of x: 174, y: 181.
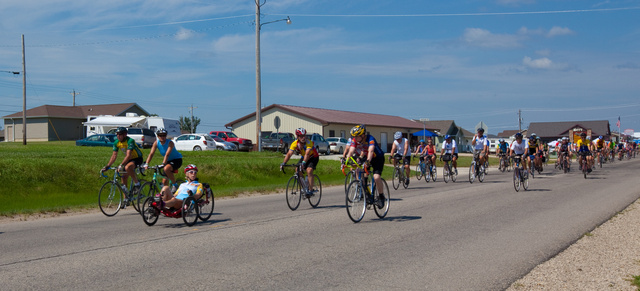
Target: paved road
x: 437, y: 236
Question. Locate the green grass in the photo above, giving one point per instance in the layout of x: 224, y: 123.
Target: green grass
x: 58, y: 176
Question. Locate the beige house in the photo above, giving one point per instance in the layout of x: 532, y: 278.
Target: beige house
x: 326, y: 122
x: 54, y: 122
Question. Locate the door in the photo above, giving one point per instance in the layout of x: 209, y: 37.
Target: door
x: 383, y: 141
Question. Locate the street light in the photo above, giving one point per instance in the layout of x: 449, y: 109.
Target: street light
x: 258, y: 84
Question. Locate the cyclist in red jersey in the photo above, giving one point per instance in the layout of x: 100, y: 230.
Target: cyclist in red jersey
x: 309, y: 153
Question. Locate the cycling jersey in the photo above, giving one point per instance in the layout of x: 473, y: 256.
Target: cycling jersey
x: 600, y: 143
x: 532, y: 146
x: 503, y: 147
x: 519, y: 148
x: 564, y: 147
x: 364, y: 147
x: 431, y: 150
x: 175, y: 154
x: 449, y: 146
x: 583, y: 145
x: 481, y: 142
x: 128, y: 144
x: 183, y: 191
x: 302, y: 149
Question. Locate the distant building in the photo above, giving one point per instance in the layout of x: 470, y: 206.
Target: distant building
x: 549, y: 131
x: 55, y: 122
x: 326, y: 122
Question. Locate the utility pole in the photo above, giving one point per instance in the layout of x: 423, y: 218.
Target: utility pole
x: 74, y: 97
x: 519, y: 120
x: 24, y: 96
x: 191, y: 109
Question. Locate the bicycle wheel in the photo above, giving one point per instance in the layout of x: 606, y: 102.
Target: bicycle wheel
x: 445, y: 173
x: 396, y: 178
x: 149, y: 213
x: 486, y: 167
x: 516, y: 178
x: 110, y: 198
x: 189, y: 211
x: 294, y: 193
x: 525, y: 181
x: 509, y: 165
x: 434, y: 173
x: 502, y: 166
x: 453, y: 174
x: 482, y: 173
x: 382, y: 211
x: 314, y: 200
x: 148, y: 189
x: 348, y: 179
x: 356, y: 201
x: 405, y: 178
x: 472, y: 172
x: 205, y: 204
x: 419, y: 173
x: 427, y: 172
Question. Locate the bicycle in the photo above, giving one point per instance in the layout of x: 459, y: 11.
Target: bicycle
x: 398, y: 173
x: 350, y: 175
x: 149, y: 189
x: 520, y: 175
x: 476, y: 170
x: 298, y: 188
x: 447, y: 171
x: 584, y: 165
x: 112, y: 192
x: 503, y: 164
x: 562, y: 163
x: 192, y: 209
x: 359, y: 197
x: 426, y: 169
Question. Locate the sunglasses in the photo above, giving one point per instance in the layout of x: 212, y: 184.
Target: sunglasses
x: 162, y: 135
x: 192, y: 172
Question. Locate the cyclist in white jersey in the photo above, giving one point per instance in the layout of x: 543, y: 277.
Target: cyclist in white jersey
x: 449, y: 147
x: 401, y: 147
x: 480, y: 145
x: 519, y: 148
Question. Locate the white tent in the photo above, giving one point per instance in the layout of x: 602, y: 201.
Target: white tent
x: 102, y: 124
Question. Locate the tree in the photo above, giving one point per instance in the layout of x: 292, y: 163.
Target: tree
x: 185, y: 123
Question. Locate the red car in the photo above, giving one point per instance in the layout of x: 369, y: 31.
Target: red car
x: 243, y: 144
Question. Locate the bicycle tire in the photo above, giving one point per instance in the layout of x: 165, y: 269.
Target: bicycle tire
x: 110, y: 198
x: 294, y: 193
x: 396, y: 178
x: 516, y: 179
x: 472, y: 170
x: 314, y: 200
x: 348, y: 179
x: 453, y: 174
x: 382, y: 212
x: 419, y: 173
x: 148, y: 189
x: 356, y: 203
x: 427, y: 172
x: 206, y: 205
x: 189, y: 211
x: 525, y: 181
x: 445, y: 173
x: 149, y: 213
x: 482, y: 174
x: 434, y: 173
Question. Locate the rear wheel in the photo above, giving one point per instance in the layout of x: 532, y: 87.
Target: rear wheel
x: 205, y: 204
x: 189, y: 211
x: 149, y: 212
x: 454, y: 176
x: 314, y: 200
x: 355, y: 201
x: 419, y: 171
x: 516, y: 179
x: 396, y: 178
x: 382, y: 211
x: 148, y: 189
x: 294, y: 192
x: 110, y: 198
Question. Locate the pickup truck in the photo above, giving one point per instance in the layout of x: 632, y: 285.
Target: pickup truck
x: 243, y: 144
x: 277, y: 141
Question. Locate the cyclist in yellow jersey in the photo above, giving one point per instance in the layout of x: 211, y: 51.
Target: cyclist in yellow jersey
x: 309, y: 153
x: 584, y: 150
x: 132, y: 158
x: 599, y: 145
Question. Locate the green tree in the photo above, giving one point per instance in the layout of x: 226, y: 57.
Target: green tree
x: 185, y: 123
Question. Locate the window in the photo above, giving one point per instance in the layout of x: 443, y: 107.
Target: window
x: 332, y: 133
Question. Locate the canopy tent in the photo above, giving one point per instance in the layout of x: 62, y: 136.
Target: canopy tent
x: 116, y: 121
x: 424, y: 133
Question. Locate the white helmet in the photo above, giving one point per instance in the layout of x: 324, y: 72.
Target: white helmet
x: 397, y: 135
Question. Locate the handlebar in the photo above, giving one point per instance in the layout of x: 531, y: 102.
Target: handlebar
x: 289, y: 165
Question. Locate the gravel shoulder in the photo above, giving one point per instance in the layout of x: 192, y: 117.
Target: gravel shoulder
x: 605, y: 259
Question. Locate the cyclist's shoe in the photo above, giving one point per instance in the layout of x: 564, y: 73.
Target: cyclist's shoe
x: 406, y: 181
x: 381, y: 201
x: 309, y: 193
x: 125, y: 203
x: 589, y: 170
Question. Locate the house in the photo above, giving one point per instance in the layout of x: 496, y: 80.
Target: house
x: 326, y: 122
x: 55, y: 122
x: 449, y: 127
x: 549, y: 131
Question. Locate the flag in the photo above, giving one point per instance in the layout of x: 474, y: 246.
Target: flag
x: 618, y: 123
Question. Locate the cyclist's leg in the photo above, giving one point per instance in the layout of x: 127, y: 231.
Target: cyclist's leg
x: 454, y: 161
x: 407, y: 164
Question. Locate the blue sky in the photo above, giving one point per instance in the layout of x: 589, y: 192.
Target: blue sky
x: 468, y: 60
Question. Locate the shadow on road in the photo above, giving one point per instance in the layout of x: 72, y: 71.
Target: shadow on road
x: 401, y: 218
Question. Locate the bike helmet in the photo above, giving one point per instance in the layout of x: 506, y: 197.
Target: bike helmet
x: 358, y: 130
x: 583, y: 134
x: 600, y: 137
x: 447, y: 136
x: 518, y: 135
x: 422, y: 140
x: 190, y: 167
x: 501, y: 140
x: 301, y: 131
x: 480, y: 130
x: 397, y: 135
x: 121, y: 130
x: 161, y: 131
x: 533, y: 135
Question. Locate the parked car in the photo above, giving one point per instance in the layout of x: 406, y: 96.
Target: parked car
x: 223, y: 145
x: 194, y: 142
x: 97, y: 140
x: 144, y: 137
x: 337, y: 144
x: 278, y: 141
x: 320, y: 143
x: 243, y: 144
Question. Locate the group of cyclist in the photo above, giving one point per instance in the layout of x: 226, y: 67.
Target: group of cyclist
x: 171, y: 162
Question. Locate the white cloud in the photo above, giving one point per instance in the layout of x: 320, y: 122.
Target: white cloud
x: 542, y: 63
x: 184, y: 34
x: 556, y: 31
x: 484, y: 38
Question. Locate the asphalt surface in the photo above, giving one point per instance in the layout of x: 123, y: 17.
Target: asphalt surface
x: 437, y: 236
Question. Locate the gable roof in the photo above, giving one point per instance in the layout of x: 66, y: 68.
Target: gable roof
x: 330, y: 116
x: 81, y: 112
x: 557, y: 129
x: 508, y: 133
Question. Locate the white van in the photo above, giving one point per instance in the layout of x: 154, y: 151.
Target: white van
x: 171, y: 125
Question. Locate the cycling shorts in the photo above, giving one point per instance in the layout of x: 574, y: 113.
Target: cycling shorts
x: 377, y: 164
x: 312, y: 163
x: 175, y: 164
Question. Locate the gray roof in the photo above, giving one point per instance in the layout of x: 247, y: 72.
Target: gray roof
x: 81, y: 112
x: 558, y: 129
x: 330, y: 116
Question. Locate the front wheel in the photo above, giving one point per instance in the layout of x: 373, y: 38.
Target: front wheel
x: 348, y: 179
x: 525, y: 181
x: 110, y: 198
x: 189, y: 211
x: 381, y: 202
x: 294, y: 193
x: 149, y: 212
x: 148, y: 189
x: 314, y: 200
x: 472, y: 172
x: 483, y: 171
x: 396, y: 178
x: 419, y: 172
x: 434, y: 173
x: 516, y: 179
x: 205, y: 204
x: 445, y: 173
x: 355, y: 201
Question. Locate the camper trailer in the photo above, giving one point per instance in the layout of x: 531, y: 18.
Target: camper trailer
x: 105, y: 123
